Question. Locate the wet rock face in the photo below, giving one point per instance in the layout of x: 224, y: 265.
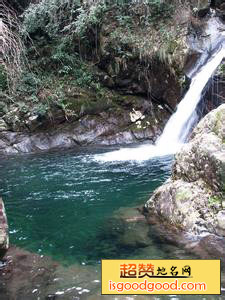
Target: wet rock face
x: 135, y: 123
x: 216, y: 3
x: 205, y: 36
x: 207, y: 149
x: 137, y: 79
x: 4, y: 238
x: 193, y: 198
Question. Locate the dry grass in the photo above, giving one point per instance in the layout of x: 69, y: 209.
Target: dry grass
x: 12, y: 50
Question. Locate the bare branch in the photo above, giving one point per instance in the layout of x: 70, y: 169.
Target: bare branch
x: 12, y: 50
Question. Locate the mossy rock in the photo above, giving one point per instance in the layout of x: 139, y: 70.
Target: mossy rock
x: 183, y: 195
x: 219, y: 128
x: 215, y: 200
x: 87, y: 105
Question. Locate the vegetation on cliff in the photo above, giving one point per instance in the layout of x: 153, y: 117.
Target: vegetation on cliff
x: 62, y: 58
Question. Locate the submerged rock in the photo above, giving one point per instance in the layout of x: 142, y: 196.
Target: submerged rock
x: 192, y: 200
x: 29, y: 276
x: 25, y: 275
x: 126, y: 231
x: 135, y: 230
x: 4, y: 238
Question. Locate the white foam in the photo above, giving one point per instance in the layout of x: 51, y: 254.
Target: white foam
x: 140, y: 153
x: 181, y: 122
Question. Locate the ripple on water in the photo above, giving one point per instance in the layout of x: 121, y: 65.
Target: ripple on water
x: 66, y: 198
x: 61, y: 205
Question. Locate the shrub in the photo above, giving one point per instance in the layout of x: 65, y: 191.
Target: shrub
x: 3, y: 78
x: 48, y: 15
x: 57, y: 16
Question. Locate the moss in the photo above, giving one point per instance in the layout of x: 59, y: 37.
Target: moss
x: 127, y: 101
x: 135, y: 128
x: 183, y: 195
x: 215, y: 200
x: 219, y: 121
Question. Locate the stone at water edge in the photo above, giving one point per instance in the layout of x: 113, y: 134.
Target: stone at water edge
x: 4, y: 236
x: 192, y: 200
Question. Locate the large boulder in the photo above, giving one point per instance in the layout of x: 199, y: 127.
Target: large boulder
x: 192, y: 199
x: 4, y: 238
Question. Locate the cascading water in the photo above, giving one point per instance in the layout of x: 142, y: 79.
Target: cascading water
x: 179, y: 125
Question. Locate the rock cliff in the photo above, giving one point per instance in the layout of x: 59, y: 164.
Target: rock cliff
x: 132, y: 124
x: 192, y: 200
x: 139, y: 56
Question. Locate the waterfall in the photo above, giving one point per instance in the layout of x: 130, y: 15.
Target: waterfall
x: 179, y: 125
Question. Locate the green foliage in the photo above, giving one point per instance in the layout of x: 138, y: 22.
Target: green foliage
x: 221, y: 69
x: 63, y: 59
x: 70, y: 64
x: 66, y: 35
x: 148, y: 11
x: 29, y: 83
x: 71, y: 17
x: 41, y: 109
x: 55, y: 17
x: 124, y: 20
x: 23, y: 108
x: 3, y: 79
x: 12, y: 52
x: 160, y: 10
x: 215, y: 200
x: 49, y: 15
x: 83, y: 77
x: 87, y: 18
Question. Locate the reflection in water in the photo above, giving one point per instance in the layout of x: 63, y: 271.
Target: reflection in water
x: 76, y: 210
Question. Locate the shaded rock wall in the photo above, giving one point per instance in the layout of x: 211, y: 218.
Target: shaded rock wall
x: 144, y: 58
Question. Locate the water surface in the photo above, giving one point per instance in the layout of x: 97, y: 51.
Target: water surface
x: 70, y: 206
x: 58, y: 203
